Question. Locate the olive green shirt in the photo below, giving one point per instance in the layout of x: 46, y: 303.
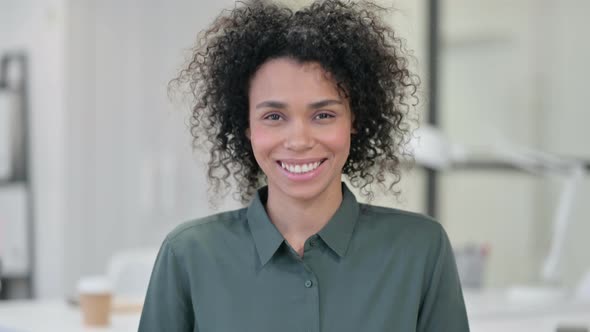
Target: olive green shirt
x: 370, y: 269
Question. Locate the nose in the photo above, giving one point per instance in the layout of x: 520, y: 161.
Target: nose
x: 299, y: 137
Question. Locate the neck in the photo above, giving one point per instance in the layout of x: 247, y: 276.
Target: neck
x: 297, y: 220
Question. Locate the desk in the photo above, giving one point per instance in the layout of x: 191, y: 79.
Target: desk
x: 56, y: 316
x: 488, y: 312
x: 544, y: 323
x: 491, y: 311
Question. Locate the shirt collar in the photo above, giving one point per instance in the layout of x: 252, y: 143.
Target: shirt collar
x: 337, y: 232
x: 266, y: 237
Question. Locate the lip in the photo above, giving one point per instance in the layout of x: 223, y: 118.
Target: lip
x: 304, y: 176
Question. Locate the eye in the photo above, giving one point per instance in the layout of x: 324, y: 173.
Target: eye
x: 323, y: 115
x: 273, y: 117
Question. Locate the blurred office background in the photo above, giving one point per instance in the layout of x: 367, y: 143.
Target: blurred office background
x: 110, y: 165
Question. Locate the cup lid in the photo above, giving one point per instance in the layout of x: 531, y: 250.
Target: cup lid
x: 94, y: 285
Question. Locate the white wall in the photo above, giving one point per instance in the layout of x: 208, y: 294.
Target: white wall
x: 517, y: 70
x: 37, y: 28
x: 564, y: 113
x: 133, y: 175
x: 485, y: 96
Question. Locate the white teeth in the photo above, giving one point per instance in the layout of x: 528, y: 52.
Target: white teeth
x: 298, y: 169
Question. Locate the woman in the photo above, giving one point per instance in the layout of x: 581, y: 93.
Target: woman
x: 296, y: 100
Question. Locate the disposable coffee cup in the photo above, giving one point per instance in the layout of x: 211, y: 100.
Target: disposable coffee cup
x: 95, y: 300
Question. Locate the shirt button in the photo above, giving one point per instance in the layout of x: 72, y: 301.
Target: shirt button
x: 308, y: 283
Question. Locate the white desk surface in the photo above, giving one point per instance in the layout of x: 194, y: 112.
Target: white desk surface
x: 492, y: 311
x: 488, y: 312
x: 56, y: 316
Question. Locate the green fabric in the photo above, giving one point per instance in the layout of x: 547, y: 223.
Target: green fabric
x: 370, y: 269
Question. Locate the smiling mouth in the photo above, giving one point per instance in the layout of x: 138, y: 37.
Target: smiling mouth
x: 300, y: 168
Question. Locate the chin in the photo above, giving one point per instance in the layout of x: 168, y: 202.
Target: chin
x: 305, y: 191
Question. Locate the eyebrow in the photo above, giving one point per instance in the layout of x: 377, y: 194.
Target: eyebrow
x: 281, y: 105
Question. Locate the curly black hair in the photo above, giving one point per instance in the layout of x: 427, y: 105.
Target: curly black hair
x: 365, y: 57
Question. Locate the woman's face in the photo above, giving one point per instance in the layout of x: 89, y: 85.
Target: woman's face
x: 300, y: 128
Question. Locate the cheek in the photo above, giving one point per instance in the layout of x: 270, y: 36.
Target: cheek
x: 339, y: 140
x: 261, y: 139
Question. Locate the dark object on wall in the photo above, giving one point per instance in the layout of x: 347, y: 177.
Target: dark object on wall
x: 14, y: 81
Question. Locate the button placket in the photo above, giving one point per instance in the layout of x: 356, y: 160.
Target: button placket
x: 311, y: 284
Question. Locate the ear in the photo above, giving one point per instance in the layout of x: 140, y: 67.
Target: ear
x: 248, y: 133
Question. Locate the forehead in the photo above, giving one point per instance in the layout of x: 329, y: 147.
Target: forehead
x: 287, y: 78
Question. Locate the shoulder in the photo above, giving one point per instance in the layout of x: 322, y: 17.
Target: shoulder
x: 207, y: 229
x: 405, y: 231
x: 396, y: 220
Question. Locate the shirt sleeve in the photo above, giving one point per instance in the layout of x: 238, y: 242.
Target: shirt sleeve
x: 443, y: 307
x: 168, y: 305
